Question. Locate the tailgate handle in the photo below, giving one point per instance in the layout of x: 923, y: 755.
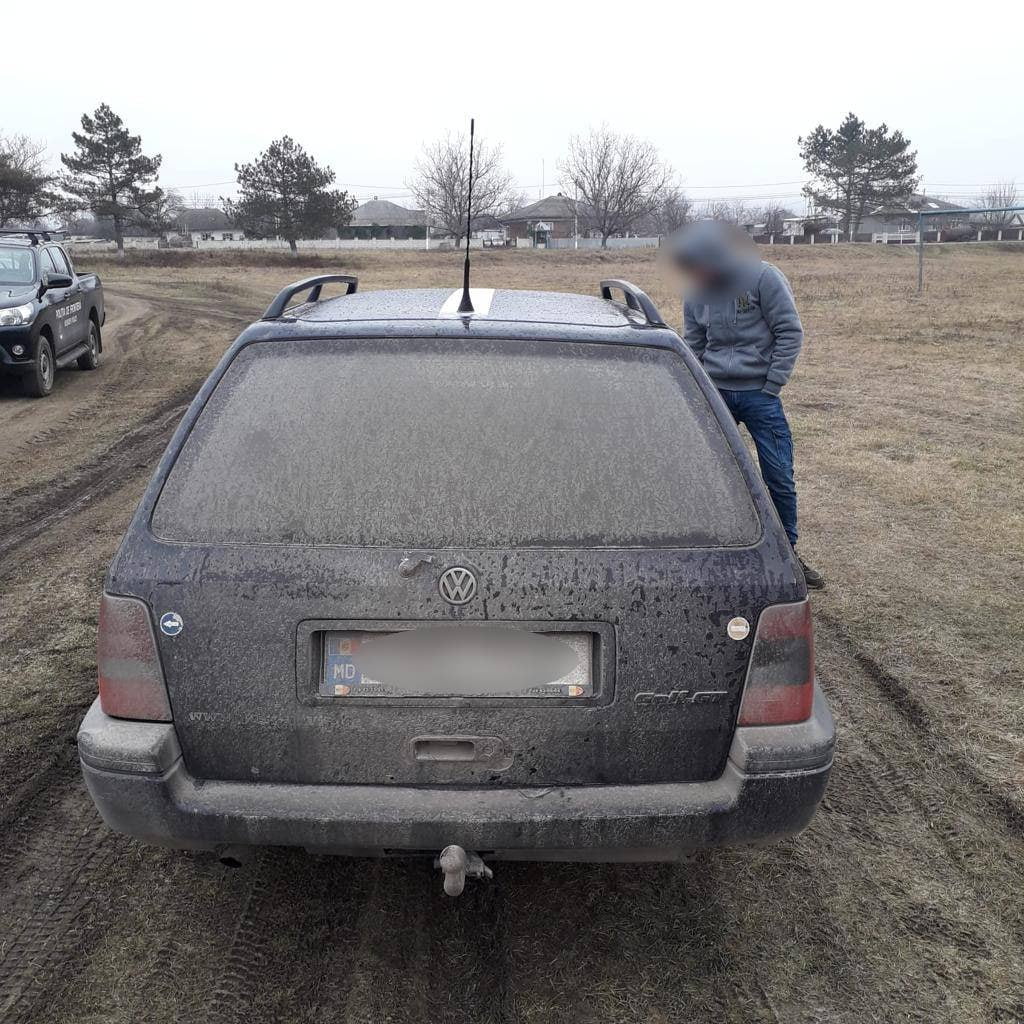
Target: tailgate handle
x: 444, y: 748
x: 492, y: 752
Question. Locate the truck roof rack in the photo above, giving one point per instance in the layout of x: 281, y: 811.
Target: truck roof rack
x: 34, y: 235
x: 636, y: 300
x: 311, y: 285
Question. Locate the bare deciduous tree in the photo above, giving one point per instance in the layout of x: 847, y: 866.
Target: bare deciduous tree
x: 23, y: 179
x: 727, y: 211
x: 621, y: 179
x: 166, y: 212
x: 515, y: 200
x: 773, y: 216
x: 672, y: 212
x: 1001, y: 195
x: 441, y: 182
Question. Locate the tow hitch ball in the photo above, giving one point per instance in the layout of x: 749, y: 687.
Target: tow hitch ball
x: 457, y: 864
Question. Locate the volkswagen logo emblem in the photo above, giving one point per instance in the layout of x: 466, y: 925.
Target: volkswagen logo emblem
x: 457, y: 585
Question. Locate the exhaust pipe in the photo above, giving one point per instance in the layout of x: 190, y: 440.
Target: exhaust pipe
x: 457, y: 864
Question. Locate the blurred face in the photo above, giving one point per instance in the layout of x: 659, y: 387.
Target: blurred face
x: 697, y: 277
x: 712, y: 255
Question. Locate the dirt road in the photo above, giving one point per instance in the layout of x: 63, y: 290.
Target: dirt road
x: 902, y: 902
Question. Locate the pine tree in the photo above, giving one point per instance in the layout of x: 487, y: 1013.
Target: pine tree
x: 109, y: 175
x: 284, y: 193
x: 856, y: 168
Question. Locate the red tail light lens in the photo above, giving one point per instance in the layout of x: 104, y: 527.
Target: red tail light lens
x: 130, y: 677
x: 780, y: 680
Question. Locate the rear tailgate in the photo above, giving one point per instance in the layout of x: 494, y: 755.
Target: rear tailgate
x: 244, y: 675
x: 588, y: 488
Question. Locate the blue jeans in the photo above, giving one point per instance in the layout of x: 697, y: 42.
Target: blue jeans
x: 763, y: 416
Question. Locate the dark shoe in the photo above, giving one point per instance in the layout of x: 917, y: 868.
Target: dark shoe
x: 813, y: 578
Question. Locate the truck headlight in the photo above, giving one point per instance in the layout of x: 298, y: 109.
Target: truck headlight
x: 16, y: 315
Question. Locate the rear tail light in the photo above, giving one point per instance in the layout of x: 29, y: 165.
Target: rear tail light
x: 130, y: 677
x: 780, y: 680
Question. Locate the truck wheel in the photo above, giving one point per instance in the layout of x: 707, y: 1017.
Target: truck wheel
x: 38, y: 382
x: 91, y: 359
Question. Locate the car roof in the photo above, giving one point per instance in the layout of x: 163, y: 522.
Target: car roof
x: 539, y: 307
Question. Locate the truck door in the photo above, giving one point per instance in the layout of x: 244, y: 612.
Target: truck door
x: 71, y: 321
x: 55, y: 300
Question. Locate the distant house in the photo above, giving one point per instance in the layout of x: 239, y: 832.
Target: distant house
x: 489, y: 230
x: 381, y: 218
x: 553, y: 217
x: 809, y: 224
x: 901, y: 217
x: 207, y: 223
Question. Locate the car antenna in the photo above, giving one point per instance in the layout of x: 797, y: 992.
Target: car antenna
x: 466, y: 305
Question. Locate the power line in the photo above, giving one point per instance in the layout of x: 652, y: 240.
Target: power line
x: 402, y: 192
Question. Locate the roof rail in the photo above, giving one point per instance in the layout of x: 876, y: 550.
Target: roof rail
x: 635, y: 299
x: 35, y: 235
x: 313, y: 286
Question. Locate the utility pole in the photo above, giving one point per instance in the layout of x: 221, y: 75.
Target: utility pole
x: 920, y: 251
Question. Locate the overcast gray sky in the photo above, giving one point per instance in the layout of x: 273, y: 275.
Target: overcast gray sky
x: 723, y: 89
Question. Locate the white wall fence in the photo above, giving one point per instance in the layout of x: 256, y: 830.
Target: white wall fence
x: 102, y: 245
x: 595, y: 243
x: 327, y: 245
x: 331, y: 244
x: 82, y: 245
x: 255, y: 244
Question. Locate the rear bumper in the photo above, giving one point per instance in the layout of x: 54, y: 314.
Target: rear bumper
x: 771, y: 785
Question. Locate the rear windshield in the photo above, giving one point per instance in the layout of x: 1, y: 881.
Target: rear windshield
x: 441, y: 443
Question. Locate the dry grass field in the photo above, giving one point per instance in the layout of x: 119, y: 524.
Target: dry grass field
x: 902, y: 901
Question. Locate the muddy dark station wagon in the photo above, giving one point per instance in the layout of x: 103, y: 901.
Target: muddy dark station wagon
x: 503, y: 584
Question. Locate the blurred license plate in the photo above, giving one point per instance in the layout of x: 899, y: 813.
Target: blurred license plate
x: 458, y: 662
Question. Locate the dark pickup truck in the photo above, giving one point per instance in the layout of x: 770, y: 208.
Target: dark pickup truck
x: 50, y: 316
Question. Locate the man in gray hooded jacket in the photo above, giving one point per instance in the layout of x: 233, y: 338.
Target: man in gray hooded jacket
x: 741, y: 322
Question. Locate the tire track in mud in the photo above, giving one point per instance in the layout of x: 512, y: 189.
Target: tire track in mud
x: 318, y: 934
x: 77, y: 394
x: 40, y: 505
x: 247, y: 958
x: 889, y: 782
x: 232, y: 315
x: 59, y: 512
x: 55, y: 855
x: 80, y: 417
x: 43, y: 507
x: 917, y: 716
x: 54, y: 843
x: 49, y: 904
x: 295, y: 904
